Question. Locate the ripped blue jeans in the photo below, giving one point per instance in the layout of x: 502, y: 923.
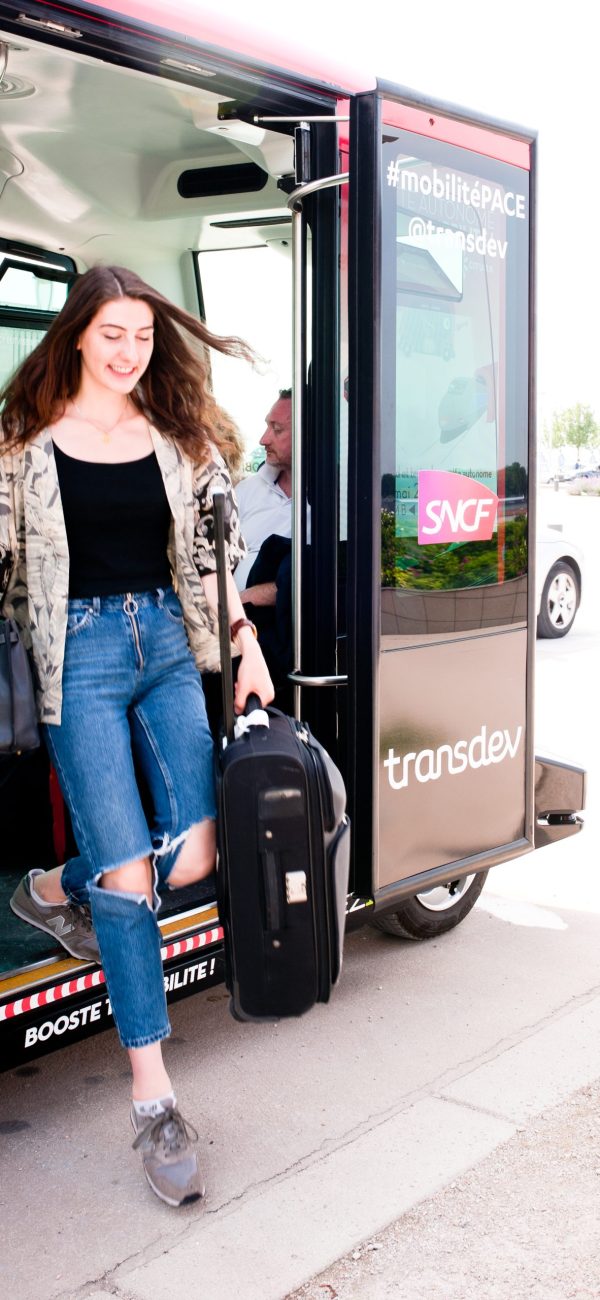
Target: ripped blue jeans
x: 132, y: 703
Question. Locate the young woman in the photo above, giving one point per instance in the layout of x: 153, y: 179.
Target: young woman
x: 111, y: 450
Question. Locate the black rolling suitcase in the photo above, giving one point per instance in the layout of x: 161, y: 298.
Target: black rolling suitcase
x: 284, y: 852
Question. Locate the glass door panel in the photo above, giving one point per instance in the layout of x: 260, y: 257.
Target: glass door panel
x: 454, y: 336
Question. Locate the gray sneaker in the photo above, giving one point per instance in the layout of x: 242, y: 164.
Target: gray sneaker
x: 170, y: 1165
x: 68, y: 922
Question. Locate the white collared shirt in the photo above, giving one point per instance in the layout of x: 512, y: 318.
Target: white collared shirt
x: 264, y: 509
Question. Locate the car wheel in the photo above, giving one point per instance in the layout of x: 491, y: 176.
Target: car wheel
x: 560, y: 601
x: 434, y: 911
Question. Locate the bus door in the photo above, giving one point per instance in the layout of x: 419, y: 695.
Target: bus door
x: 301, y: 341
x: 207, y: 161
x: 440, y: 620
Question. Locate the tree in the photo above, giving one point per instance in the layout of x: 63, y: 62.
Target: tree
x: 546, y: 435
x: 575, y: 427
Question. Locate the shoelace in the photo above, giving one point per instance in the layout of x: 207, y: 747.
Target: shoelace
x: 83, y: 914
x: 170, y: 1128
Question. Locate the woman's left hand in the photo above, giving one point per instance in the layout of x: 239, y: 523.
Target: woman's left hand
x: 253, y: 675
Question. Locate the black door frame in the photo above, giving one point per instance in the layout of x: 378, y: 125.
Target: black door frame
x: 364, y: 495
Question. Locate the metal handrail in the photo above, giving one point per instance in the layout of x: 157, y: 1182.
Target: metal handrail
x: 334, y: 679
x: 298, y: 374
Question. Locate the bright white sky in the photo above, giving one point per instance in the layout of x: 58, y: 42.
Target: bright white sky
x: 525, y: 61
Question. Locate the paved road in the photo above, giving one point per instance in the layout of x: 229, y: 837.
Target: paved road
x: 523, y: 1223
x: 318, y: 1134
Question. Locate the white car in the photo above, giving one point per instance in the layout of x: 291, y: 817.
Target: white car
x: 559, y: 570
x: 584, y: 480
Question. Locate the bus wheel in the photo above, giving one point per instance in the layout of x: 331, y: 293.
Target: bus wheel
x: 433, y: 911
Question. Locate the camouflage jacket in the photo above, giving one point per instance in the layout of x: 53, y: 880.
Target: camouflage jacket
x: 34, y: 555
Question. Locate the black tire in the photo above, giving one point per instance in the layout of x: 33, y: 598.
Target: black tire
x: 428, y: 914
x: 560, y: 600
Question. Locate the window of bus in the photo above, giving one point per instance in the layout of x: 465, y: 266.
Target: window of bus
x: 248, y: 292
x: 455, y: 389
x: 29, y: 299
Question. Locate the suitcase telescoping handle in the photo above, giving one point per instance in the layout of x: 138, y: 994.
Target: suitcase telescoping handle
x: 224, y: 632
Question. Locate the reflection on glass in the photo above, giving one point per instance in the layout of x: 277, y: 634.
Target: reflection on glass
x: 454, y: 313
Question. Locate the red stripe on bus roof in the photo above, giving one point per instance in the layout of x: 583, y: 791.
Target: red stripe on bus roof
x: 233, y: 38
x: 464, y: 134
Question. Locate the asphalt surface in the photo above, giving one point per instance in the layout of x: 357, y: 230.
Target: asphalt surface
x: 525, y: 1222
x: 424, y: 1096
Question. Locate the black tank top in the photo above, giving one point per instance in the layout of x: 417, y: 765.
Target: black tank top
x: 117, y: 519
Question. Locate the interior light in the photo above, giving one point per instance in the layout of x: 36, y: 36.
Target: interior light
x: 187, y: 67
x: 49, y: 26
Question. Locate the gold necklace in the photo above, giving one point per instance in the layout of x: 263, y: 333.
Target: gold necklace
x: 106, y: 433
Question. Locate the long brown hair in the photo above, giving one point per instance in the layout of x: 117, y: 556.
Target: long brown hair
x: 174, y: 392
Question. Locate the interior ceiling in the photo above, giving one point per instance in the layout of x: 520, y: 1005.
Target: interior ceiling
x: 94, y: 148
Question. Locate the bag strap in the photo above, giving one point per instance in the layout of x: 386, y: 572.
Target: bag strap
x: 224, y: 633
x: 13, y: 543
x: 8, y: 637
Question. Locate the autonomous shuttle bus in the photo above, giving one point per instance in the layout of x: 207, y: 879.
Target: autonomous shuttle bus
x: 376, y: 248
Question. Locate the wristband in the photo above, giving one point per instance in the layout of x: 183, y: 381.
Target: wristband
x: 239, y: 624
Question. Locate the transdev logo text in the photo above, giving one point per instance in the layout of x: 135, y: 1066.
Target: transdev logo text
x: 454, y: 508
x: 431, y: 764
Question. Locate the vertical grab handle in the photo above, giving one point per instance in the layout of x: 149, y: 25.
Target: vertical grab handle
x: 298, y: 380
x: 294, y: 204
x: 224, y: 633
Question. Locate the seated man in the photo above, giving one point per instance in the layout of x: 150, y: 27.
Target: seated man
x: 265, y: 499
x: 272, y: 570
x: 263, y: 577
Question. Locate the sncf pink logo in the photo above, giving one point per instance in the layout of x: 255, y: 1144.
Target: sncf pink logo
x: 454, y: 508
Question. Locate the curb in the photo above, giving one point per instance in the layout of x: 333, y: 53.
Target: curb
x: 280, y: 1235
